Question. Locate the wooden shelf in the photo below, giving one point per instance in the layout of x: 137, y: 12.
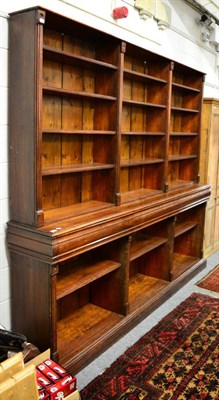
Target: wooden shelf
x: 133, y: 163
x: 80, y: 276
x: 65, y: 212
x: 183, y: 134
x: 65, y: 57
x: 142, y: 288
x: 86, y: 325
x: 143, y: 246
x: 144, y: 104
x: 182, y: 263
x: 52, y: 91
x: 183, y: 227
x: 144, y: 133
x: 179, y: 157
x: 184, y: 87
x: 134, y: 75
x: 184, y: 110
x: 65, y: 169
x: 78, y: 132
x: 179, y: 183
x: 132, y: 195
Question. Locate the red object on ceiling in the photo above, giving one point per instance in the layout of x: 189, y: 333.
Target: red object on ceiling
x: 120, y: 12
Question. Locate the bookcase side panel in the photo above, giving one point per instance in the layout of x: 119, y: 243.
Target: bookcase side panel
x: 31, y: 300
x: 24, y: 129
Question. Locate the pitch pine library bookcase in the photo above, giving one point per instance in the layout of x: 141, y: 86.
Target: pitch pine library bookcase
x: 106, y: 212
x: 209, y: 171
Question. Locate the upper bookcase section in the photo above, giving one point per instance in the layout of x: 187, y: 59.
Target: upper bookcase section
x: 94, y: 122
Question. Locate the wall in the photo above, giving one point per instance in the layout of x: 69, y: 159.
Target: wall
x: 4, y: 270
x: 181, y: 41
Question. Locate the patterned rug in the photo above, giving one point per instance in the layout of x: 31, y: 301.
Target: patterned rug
x: 211, y: 281
x: 177, y: 359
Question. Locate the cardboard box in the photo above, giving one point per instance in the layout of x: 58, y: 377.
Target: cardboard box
x: 20, y: 386
x: 11, y: 366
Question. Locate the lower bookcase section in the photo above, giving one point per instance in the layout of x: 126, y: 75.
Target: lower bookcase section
x: 101, y: 291
x: 108, y: 274
x: 90, y: 330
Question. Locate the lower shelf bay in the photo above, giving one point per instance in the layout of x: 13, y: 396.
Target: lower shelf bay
x: 80, y: 336
x: 182, y: 263
x: 86, y: 326
x: 142, y: 288
x: 83, y: 329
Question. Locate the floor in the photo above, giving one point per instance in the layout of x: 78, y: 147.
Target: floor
x: 108, y: 357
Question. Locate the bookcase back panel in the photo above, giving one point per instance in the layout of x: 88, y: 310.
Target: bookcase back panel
x: 52, y: 38
x: 137, y: 119
x: 182, y: 171
x: 155, y: 264
x: 61, y: 190
x: 51, y: 112
x: 185, y: 122
x: 51, y: 150
x: 144, y: 92
x: 184, y: 145
x: 66, y: 189
x: 186, y: 77
x: 52, y: 73
x: 187, y: 99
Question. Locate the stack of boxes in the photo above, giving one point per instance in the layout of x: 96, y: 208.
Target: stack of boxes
x: 54, y: 382
x: 40, y: 378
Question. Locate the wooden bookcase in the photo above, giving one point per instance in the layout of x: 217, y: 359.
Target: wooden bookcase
x: 184, y: 141
x: 144, y: 125
x: 209, y: 171
x: 106, y: 213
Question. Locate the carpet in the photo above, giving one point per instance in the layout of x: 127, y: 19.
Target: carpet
x: 177, y: 359
x: 211, y: 281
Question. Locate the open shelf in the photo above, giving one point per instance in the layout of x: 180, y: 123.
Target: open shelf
x: 185, y: 88
x: 65, y: 169
x: 143, y: 104
x: 138, y: 194
x: 132, y: 163
x: 79, y: 276
x: 136, y: 133
x: 64, y: 57
x: 182, y: 169
x: 140, y: 179
x: 189, y: 134
x: 141, y: 77
x: 65, y: 212
x: 90, y: 299
x: 184, y: 227
x: 50, y: 91
x: 143, y: 288
x: 186, y: 78
x: 144, y: 245
x: 149, y: 258
x: 78, y: 132
x: 87, y: 325
x: 187, y: 244
x: 178, y: 157
x: 73, y: 189
x: 182, y: 263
